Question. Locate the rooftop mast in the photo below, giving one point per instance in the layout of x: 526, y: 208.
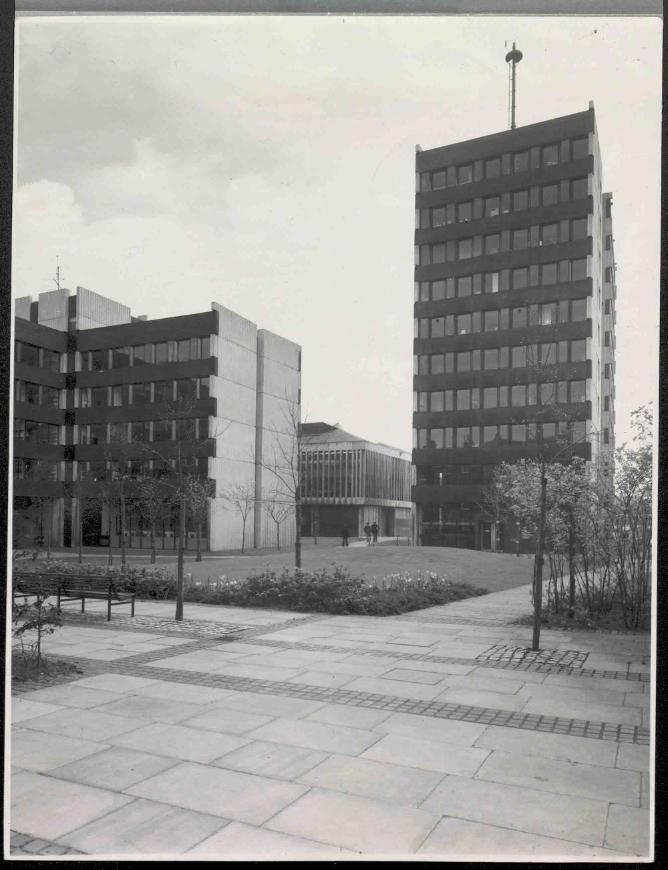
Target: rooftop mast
x: 513, y: 58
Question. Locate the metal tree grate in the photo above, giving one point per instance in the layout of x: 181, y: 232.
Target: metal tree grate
x: 502, y: 653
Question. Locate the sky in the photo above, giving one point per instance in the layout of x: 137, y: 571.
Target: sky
x: 267, y: 164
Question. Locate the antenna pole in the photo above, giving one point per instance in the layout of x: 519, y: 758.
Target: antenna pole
x: 513, y: 58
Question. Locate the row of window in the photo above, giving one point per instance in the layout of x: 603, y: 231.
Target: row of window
x: 36, y: 433
x: 180, y: 390
x: 459, y: 473
x: 535, y: 275
x: 520, y: 433
x: 36, y: 394
x: 40, y: 357
x: 137, y: 468
x: 146, y: 354
x: 535, y: 236
x: 547, y: 314
x: 516, y: 396
x: 37, y: 469
x: 144, y: 431
x: 505, y: 164
x: 505, y: 203
x: 493, y: 358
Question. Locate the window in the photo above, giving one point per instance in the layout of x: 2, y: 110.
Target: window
x: 29, y: 354
x: 493, y: 244
x: 186, y: 389
x: 465, y: 249
x: 120, y: 357
x: 29, y: 392
x: 99, y: 397
x: 423, y: 331
x: 521, y: 161
x: 606, y: 338
x: 435, y: 400
x: 518, y: 357
x: 162, y: 430
x: 606, y: 403
x: 162, y: 352
x: 520, y: 278
x: 519, y: 317
x: 518, y: 396
x: 203, y: 428
x: 492, y: 206
x: 438, y: 217
x: 549, y: 234
x: 579, y: 350
x: 579, y: 229
x: 548, y: 273
x: 463, y: 324
x: 464, y: 361
x: 578, y: 391
x: 490, y: 397
x: 491, y: 359
x: 98, y: 433
x: 579, y: 431
x: 465, y: 174
x: 120, y: 395
x: 141, y: 393
x: 580, y: 148
x: 464, y: 212
x: 578, y: 269
x: 436, y: 364
x: 437, y: 290
x: 449, y: 400
x: 185, y: 429
x: 520, y: 200
x: 463, y: 400
x: 464, y: 285
x: 548, y: 314
x: 491, y: 282
x: 579, y: 309
x: 142, y: 354
x: 140, y: 431
x: 438, y: 253
x: 548, y: 353
x: 438, y: 180
x: 118, y: 433
x: 607, y: 307
x: 464, y: 436
x: 163, y: 391
x: 491, y: 321
x: 520, y: 239
x: 490, y: 434
x: 493, y: 168
x: 518, y: 434
x: 532, y: 394
x: 450, y: 324
x: 184, y: 350
x: 550, y: 155
x: 579, y: 188
x: 550, y: 194
x: 99, y: 360
x: 51, y: 360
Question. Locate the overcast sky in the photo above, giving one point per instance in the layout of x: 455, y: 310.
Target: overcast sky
x: 268, y: 164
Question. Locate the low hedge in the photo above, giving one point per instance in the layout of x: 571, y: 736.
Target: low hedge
x: 331, y: 590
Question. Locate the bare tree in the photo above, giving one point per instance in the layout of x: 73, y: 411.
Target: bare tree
x: 278, y: 510
x: 241, y: 498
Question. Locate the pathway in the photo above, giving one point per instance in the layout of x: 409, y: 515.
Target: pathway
x: 255, y: 733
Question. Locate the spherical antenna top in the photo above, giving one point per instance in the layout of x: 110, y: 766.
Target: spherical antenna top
x: 515, y: 55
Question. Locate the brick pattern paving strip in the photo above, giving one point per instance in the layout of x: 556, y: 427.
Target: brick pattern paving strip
x: 598, y: 730
x: 25, y: 844
x: 500, y: 652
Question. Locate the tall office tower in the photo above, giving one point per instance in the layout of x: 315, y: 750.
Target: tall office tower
x: 514, y: 349
x: 101, y: 396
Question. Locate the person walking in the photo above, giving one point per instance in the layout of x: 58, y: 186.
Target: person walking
x: 344, y: 536
x: 374, y: 532
x: 367, y: 532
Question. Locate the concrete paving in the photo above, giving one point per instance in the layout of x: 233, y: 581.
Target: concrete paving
x: 335, y: 737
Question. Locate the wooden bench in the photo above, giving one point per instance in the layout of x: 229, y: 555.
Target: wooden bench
x: 28, y: 584
x: 93, y: 586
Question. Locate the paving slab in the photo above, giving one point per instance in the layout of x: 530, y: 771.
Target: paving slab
x: 115, y: 768
x: 557, y: 746
x: 34, y: 750
x: 276, y: 760
x: 152, y: 709
x: 628, y: 830
x: 83, y: 724
x: 583, y: 710
x: 407, y: 675
x: 202, y: 695
x: 593, y: 683
x: 568, y: 693
x: 563, y: 777
x: 238, y: 840
x: 393, y: 783
x: 71, y: 695
x: 472, y: 682
x: 356, y: 823
x: 395, y: 688
x: 50, y: 808
x: 426, y: 754
x: 271, y: 705
x: 489, y: 673
x: 144, y: 827
x: 25, y: 708
x: 633, y: 757
x: 449, y: 731
x: 326, y: 679
x: 227, y: 720
x: 359, y: 666
x: 121, y: 683
x: 316, y: 735
x: 522, y: 809
x: 177, y: 741
x: 219, y: 791
x: 477, y: 698
x: 352, y: 717
x: 458, y: 837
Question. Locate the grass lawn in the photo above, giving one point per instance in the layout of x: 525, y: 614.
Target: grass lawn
x: 490, y: 571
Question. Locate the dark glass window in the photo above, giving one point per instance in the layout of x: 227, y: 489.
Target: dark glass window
x: 464, y: 361
x: 578, y: 269
x: 465, y: 174
x: 185, y: 429
x: 520, y: 278
x: 140, y: 430
x: 490, y: 398
x: 463, y: 400
x: 521, y: 161
x: 99, y: 398
x: 120, y: 357
x: 162, y: 352
x: 579, y: 229
x: 203, y: 428
x: 142, y: 354
x: 579, y: 350
x: 464, y: 285
x: 464, y: 212
x: 578, y: 309
x: 491, y: 321
x: 163, y: 391
x: 99, y: 360
x: 29, y: 354
x: 579, y: 391
x: 548, y: 273
x: 51, y: 360
x: 436, y: 400
x: 98, y: 433
x: 580, y: 148
x: 51, y: 396
x: 463, y: 324
x: 186, y: 389
x: 493, y: 168
x: 120, y: 395
x: 493, y: 244
x: 550, y: 155
x: 519, y: 317
x: 162, y: 430
x: 438, y: 180
x: 549, y: 234
x: 438, y: 217
x: 437, y: 364
x: 438, y: 253
x: 579, y: 188
x: 550, y: 194
x: 492, y: 206
x: 465, y: 249
x: 141, y: 393
x: 491, y: 359
x: 520, y: 239
x: 437, y: 290
x: 491, y: 282
x: 520, y: 200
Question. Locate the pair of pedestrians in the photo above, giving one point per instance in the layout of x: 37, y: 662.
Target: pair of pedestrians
x: 371, y: 532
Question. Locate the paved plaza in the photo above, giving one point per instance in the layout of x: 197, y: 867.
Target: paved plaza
x: 263, y: 734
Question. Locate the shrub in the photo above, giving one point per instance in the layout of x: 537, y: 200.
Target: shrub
x: 147, y: 582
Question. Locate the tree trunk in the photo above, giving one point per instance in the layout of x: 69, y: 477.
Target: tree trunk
x: 198, y: 557
x: 538, y: 573
x: 298, y: 532
x: 243, y: 533
x: 80, y: 518
x: 179, y: 562
x: 122, y: 513
x: 152, y: 543
x: 571, y: 569
x: 48, y: 529
x: 278, y: 536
